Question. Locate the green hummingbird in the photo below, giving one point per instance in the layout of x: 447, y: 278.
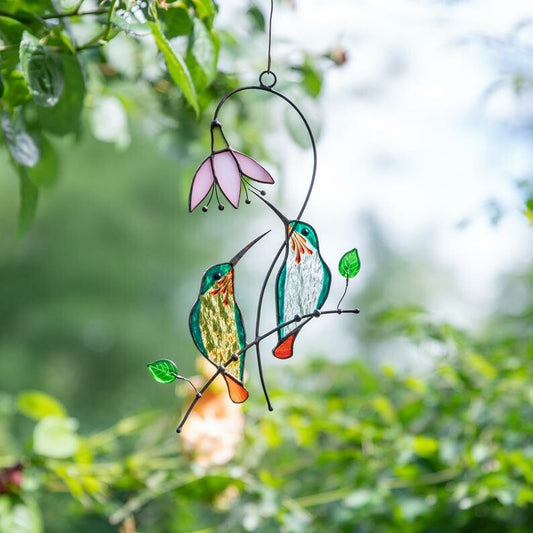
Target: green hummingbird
x: 217, y: 326
x: 303, y: 281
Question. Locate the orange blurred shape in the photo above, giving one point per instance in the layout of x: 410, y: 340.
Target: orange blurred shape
x: 215, y: 428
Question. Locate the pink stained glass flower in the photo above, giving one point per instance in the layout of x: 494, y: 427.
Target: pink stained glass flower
x: 227, y: 170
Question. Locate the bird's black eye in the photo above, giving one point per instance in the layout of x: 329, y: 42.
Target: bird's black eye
x: 305, y: 232
x: 218, y: 275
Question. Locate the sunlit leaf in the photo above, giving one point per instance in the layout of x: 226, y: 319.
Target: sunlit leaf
x: 163, y: 370
x: 37, y: 405
x: 56, y: 437
x: 176, y: 66
x: 425, y: 446
x: 349, y: 265
x: 205, y: 9
x: 109, y: 121
x: 16, y: 90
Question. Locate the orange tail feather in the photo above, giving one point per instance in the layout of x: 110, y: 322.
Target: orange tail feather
x: 237, y: 391
x: 284, y: 348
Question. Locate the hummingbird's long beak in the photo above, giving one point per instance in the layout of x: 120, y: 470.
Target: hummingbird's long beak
x: 236, y: 259
x: 283, y: 218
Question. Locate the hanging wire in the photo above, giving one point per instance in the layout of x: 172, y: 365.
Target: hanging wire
x: 269, y: 60
x: 268, y: 86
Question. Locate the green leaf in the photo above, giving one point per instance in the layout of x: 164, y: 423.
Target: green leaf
x: 176, y: 21
x: 43, y: 71
x: 16, y: 90
x: 37, y: 405
x: 10, y: 31
x: 176, y: 67
x: 65, y: 116
x: 349, y: 265
x: 204, y: 52
x: 163, y: 370
x: 20, y: 514
x: 311, y: 77
x: 56, y: 437
x: 20, y: 144
x: 45, y: 172
x: 29, y: 195
x: 257, y: 18
x: 127, y: 22
x: 425, y: 446
x: 205, y: 10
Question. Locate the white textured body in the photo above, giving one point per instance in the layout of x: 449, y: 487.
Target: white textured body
x: 303, y: 285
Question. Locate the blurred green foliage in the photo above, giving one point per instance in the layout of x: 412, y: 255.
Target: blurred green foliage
x: 346, y: 449
x: 99, y: 283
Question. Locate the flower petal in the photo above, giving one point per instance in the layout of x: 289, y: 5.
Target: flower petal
x: 228, y: 176
x: 252, y: 168
x: 201, y: 184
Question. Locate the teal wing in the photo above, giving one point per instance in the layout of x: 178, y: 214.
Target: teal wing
x: 326, y: 283
x: 242, y: 337
x: 194, y: 326
x: 280, y: 297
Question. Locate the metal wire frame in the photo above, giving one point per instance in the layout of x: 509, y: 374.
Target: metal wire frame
x: 221, y: 369
x: 269, y: 88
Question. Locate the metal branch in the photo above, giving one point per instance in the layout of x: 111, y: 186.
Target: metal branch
x: 222, y: 368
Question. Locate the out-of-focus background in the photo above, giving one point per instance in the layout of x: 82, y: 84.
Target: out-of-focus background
x: 415, y: 415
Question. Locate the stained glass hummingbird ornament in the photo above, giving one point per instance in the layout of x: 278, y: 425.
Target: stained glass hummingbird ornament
x: 216, y: 323
x: 303, y: 281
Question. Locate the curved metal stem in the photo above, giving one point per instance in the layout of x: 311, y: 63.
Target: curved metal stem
x: 344, y: 293
x: 269, y: 89
x: 177, y: 376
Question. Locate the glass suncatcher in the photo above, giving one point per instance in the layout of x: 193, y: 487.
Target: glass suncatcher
x: 303, y: 281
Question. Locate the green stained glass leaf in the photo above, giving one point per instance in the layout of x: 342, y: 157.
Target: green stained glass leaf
x: 176, y: 67
x: 163, y: 370
x: 349, y: 265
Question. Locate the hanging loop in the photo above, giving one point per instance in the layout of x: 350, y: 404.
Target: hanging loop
x: 267, y: 76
